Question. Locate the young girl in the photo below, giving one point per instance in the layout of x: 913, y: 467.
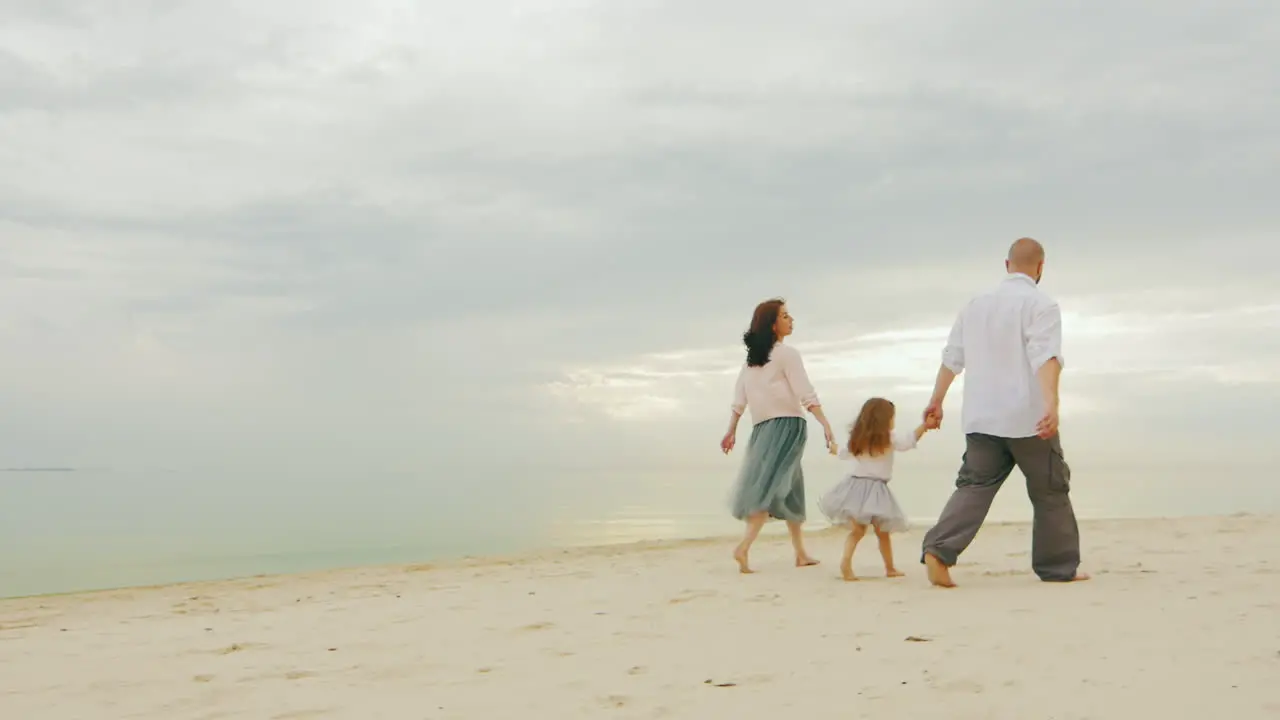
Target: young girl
x: 863, y: 498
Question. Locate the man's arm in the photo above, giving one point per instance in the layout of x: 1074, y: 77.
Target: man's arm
x: 1048, y: 375
x: 952, y: 365
x: 1044, y: 352
x: 941, y: 384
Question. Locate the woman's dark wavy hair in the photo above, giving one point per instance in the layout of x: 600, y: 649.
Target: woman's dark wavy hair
x: 760, y: 339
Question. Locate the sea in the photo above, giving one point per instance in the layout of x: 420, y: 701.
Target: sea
x: 68, y: 530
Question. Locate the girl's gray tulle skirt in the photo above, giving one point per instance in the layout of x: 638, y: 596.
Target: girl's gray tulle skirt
x: 866, y: 501
x: 771, y: 479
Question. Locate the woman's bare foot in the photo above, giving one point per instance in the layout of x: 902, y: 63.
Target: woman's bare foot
x: 740, y: 555
x: 805, y: 561
x: 939, y: 574
x: 846, y: 572
x: 892, y: 572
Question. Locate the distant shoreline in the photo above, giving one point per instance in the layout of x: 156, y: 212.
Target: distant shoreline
x: 39, y: 469
x: 569, y: 553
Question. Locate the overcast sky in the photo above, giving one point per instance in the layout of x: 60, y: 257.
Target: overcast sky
x: 421, y: 235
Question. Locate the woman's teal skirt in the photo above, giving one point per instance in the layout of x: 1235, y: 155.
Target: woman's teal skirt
x: 771, y: 479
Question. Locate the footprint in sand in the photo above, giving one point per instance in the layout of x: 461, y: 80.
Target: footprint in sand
x: 758, y: 679
x: 615, y: 701
x: 536, y: 627
x: 691, y: 595
x: 1003, y: 573
x: 238, y: 647
x: 963, y: 687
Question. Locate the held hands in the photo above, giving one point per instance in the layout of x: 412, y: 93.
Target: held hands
x: 832, y: 448
x: 726, y: 444
x: 933, y: 415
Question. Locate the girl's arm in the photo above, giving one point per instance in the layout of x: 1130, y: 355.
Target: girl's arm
x: 907, y: 441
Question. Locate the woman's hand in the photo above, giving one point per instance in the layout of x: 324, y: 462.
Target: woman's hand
x: 726, y: 445
x: 826, y: 428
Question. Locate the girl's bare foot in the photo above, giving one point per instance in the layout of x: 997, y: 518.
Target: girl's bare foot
x: 846, y: 572
x: 892, y: 572
x: 805, y: 561
x: 740, y: 555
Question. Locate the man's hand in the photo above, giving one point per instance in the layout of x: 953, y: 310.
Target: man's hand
x: 933, y: 415
x: 1048, y: 375
x: 1048, y: 425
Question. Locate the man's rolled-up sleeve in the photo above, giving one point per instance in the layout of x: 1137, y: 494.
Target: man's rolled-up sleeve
x: 953, y: 353
x: 1044, y: 335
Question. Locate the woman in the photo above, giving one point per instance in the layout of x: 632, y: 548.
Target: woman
x: 774, y: 384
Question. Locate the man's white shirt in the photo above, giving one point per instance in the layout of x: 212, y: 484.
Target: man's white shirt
x: 999, y: 341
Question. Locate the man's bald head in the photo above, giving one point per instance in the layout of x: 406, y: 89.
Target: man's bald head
x: 1026, y: 256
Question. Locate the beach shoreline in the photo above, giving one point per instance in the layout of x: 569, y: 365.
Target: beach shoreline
x: 1179, y: 620
x: 773, y: 531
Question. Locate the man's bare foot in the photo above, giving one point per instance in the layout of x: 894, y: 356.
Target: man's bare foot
x: 892, y: 572
x: 741, y: 556
x: 805, y: 561
x: 939, y: 574
x: 846, y: 572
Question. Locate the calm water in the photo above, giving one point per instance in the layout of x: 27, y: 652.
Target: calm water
x: 62, y: 532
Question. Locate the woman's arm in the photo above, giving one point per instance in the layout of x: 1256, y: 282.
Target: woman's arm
x: 802, y: 388
x: 738, y: 407
x: 733, y: 423
x: 826, y: 428
x: 797, y: 378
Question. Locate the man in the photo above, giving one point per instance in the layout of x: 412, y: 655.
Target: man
x: 1010, y: 342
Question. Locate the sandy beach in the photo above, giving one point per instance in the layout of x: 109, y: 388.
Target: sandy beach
x: 1182, y: 620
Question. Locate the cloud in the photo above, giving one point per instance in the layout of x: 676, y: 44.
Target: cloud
x: 1112, y: 357
x: 231, y: 229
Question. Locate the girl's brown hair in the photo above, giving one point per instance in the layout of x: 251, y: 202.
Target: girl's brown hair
x: 870, y: 432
